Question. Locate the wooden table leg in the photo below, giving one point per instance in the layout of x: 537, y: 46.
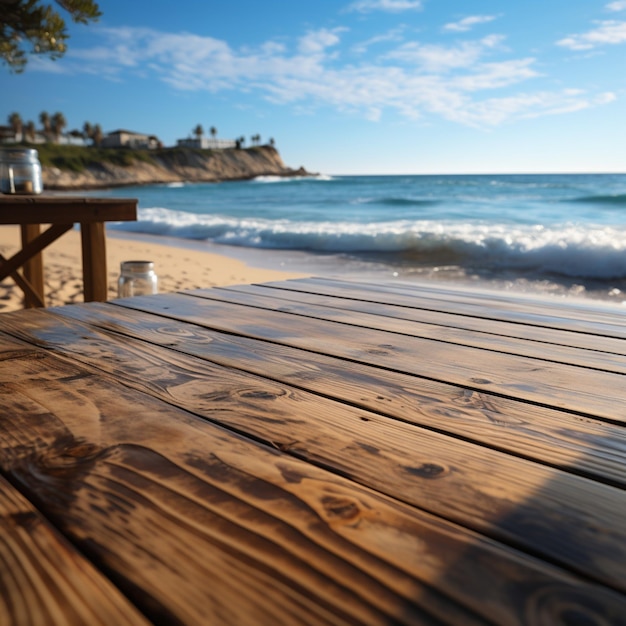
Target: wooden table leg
x: 33, y: 268
x: 94, y: 261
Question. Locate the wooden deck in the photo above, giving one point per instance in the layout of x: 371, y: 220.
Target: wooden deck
x: 314, y: 452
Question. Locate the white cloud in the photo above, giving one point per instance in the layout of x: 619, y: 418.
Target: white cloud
x: 467, y: 23
x: 607, y: 32
x: 273, y: 47
x: 620, y: 5
x: 395, y: 34
x: 495, y: 111
x: 435, y: 58
x: 390, y: 6
x: 316, y: 42
x: 457, y: 82
x: 496, y: 75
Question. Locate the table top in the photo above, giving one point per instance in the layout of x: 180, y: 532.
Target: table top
x: 315, y: 451
x: 61, y: 209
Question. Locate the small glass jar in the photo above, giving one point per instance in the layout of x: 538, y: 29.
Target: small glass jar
x: 137, y: 278
x: 20, y: 171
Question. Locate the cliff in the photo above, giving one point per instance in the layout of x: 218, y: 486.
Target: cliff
x: 128, y: 167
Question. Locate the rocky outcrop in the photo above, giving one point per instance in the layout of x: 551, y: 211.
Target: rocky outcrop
x: 175, y: 165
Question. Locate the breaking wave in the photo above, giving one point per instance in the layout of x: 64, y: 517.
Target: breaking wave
x: 571, y: 250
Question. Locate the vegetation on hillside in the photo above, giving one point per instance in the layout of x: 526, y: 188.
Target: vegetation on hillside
x: 78, y: 158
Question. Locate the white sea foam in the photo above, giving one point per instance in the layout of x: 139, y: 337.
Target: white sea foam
x: 270, y: 179
x: 567, y: 249
x: 286, y: 179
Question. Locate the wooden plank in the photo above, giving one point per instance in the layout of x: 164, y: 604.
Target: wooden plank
x: 488, y: 491
x: 33, y: 268
x: 563, y: 317
x: 493, y: 327
x: 501, y: 300
x: 11, y: 348
x: 187, y: 517
x: 501, y: 297
x: 45, y: 580
x: 587, y: 392
x: 29, y: 292
x: 94, y: 261
x: 45, y: 209
x: 405, y: 326
x: 586, y: 447
x: 32, y: 248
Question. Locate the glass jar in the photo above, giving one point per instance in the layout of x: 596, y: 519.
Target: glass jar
x: 20, y: 171
x: 137, y: 278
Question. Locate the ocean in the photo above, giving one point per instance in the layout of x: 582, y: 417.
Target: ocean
x: 562, y: 234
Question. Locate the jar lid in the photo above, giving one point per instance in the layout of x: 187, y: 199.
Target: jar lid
x: 137, y: 267
x: 13, y: 154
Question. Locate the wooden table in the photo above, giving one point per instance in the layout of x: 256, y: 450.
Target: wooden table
x: 314, y: 452
x: 61, y: 212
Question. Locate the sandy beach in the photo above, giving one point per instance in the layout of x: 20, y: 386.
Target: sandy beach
x: 178, y: 268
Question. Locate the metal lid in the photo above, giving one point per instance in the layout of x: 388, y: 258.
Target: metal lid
x: 18, y: 154
x: 137, y: 267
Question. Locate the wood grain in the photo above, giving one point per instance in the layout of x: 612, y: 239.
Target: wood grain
x: 587, y: 392
x: 33, y: 268
x: 500, y: 301
x: 494, y: 494
x: 564, y: 316
x: 382, y: 318
x: 185, y: 516
x: 587, y: 447
x: 44, y: 580
x: 94, y: 257
x: 413, y: 310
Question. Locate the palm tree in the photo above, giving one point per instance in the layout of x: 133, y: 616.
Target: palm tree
x: 97, y: 134
x: 87, y: 130
x: 30, y: 131
x: 58, y: 124
x: 271, y: 142
x: 198, y: 131
x: 44, y: 118
x: 213, y: 131
x: 15, y: 121
x: 242, y: 140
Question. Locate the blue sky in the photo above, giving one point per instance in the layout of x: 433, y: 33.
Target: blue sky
x: 354, y: 87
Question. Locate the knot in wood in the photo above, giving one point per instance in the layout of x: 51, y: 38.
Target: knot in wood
x: 261, y: 394
x: 174, y: 331
x: 342, y: 509
x: 428, y: 470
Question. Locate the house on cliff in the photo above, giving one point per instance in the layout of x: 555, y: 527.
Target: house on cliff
x: 206, y: 143
x: 130, y: 139
x: 9, y: 136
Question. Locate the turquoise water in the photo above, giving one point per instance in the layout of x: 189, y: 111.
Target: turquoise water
x: 556, y: 229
